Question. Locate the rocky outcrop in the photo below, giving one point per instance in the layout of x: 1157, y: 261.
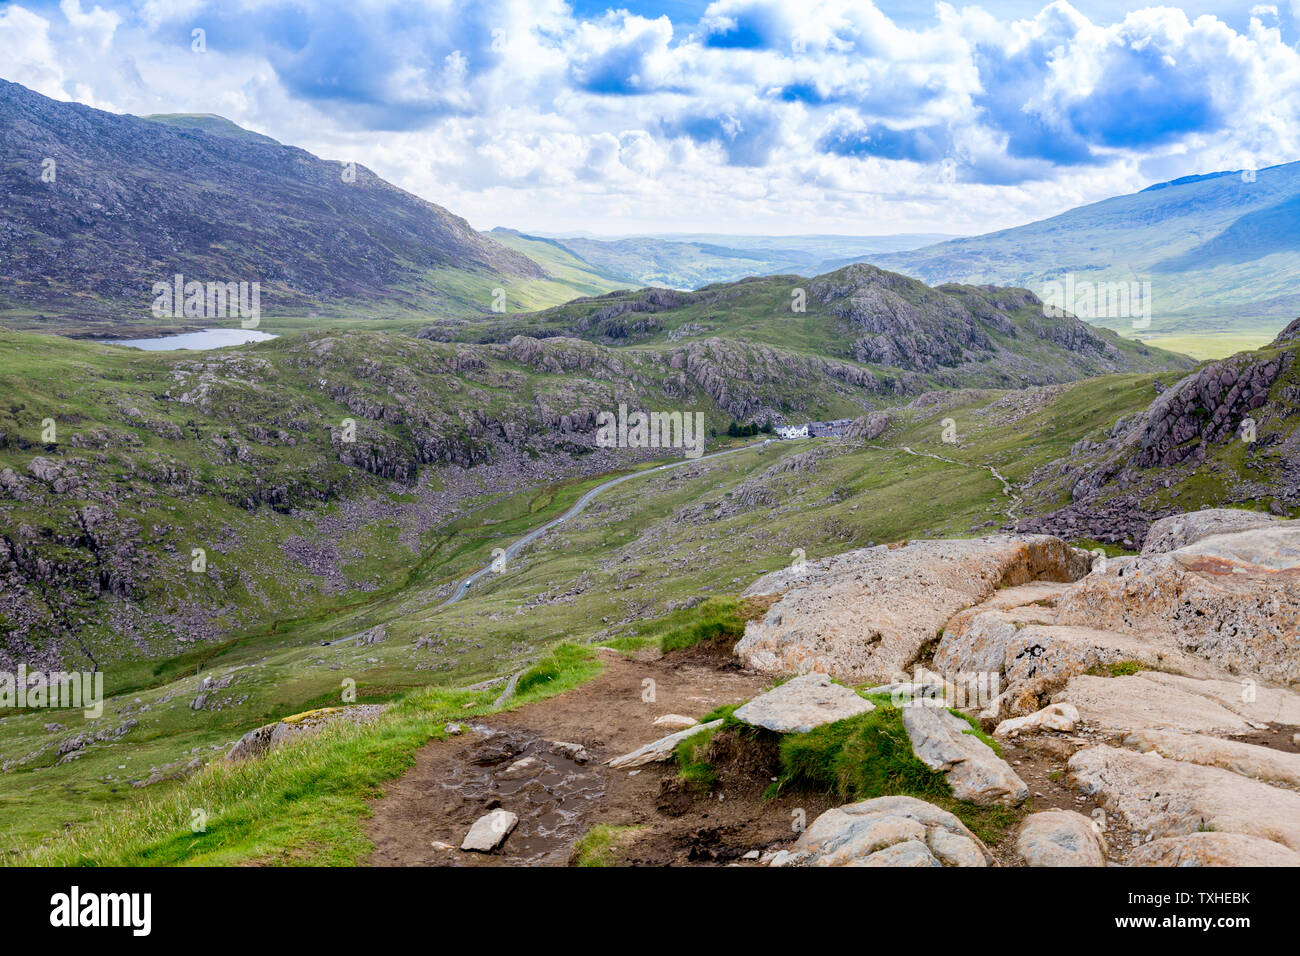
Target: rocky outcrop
x: 1164, y: 798
x: 1060, y: 838
x: 1245, y: 696
x: 1178, y: 531
x: 870, y: 427
x: 1249, y: 760
x: 1289, y: 335
x: 262, y: 740
x: 801, y: 704
x: 1132, y: 703
x: 1232, y: 599
x: 1250, y: 397
x: 889, y: 831
x: 857, y: 616
x: 1203, y: 409
x: 1213, y: 849
x: 946, y: 743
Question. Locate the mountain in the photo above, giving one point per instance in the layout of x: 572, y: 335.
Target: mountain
x: 688, y: 261
x: 98, y: 207
x: 894, y: 328
x: 1227, y: 434
x: 247, y: 451
x: 1221, y: 252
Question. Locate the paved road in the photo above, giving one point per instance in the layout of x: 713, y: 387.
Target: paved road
x: 513, y: 550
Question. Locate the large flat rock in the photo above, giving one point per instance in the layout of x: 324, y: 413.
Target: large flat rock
x: 1245, y: 696
x: 1167, y: 798
x: 1022, y: 649
x: 864, y: 615
x: 801, y: 704
x: 889, y: 831
x: 1178, y: 531
x: 1213, y: 849
x: 1233, y: 599
x: 1250, y: 760
x: 942, y: 742
x: 1137, y: 703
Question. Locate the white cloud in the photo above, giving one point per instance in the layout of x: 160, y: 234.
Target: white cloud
x: 28, y: 55
x: 771, y: 115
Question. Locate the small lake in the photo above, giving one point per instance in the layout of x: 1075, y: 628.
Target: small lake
x: 206, y: 339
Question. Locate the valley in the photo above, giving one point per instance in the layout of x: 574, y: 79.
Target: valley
x: 643, y: 555
x: 366, y: 571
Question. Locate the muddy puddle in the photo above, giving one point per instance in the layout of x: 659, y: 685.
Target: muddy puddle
x: 547, y: 784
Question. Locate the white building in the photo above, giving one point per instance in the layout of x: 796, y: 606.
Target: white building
x: 792, y: 431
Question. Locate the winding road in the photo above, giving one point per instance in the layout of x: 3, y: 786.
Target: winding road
x: 513, y: 549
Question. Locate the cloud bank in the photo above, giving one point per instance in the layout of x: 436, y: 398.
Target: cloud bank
x: 779, y: 116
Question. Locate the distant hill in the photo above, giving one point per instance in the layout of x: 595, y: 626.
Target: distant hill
x: 896, y: 330
x: 1221, y: 251
x: 98, y: 207
x: 689, y: 260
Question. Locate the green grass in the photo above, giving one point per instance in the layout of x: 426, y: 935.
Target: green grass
x: 715, y: 621
x: 1209, y: 345
x: 305, y: 803
x: 977, y: 731
x: 1119, y: 669
x: 566, y: 665
x: 870, y: 756
x: 602, y: 844
x: 693, y: 766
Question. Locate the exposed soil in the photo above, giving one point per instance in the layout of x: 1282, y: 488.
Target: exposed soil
x: 1277, y: 736
x: 424, y: 815
x: 1040, y: 761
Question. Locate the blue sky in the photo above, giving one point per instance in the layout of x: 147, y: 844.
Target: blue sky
x: 761, y: 116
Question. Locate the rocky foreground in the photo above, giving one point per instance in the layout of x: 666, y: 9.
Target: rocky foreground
x: 1160, y: 685
x: 1030, y: 680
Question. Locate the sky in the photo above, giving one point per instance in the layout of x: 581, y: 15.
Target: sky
x: 769, y: 117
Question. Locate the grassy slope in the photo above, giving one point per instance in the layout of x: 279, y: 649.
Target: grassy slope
x: 611, y: 576
x: 1219, y: 253
x: 759, y: 311
x: 562, y: 265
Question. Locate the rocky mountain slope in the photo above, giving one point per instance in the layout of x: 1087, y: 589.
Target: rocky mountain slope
x: 304, y: 460
x: 1228, y: 433
x: 951, y: 335
x: 1221, y: 252
x: 98, y: 206
x: 1070, y: 713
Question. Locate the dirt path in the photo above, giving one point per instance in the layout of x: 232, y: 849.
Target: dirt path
x: 456, y: 781
x: 1007, y: 488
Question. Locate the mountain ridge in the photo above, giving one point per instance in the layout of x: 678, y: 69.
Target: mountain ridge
x: 99, y: 206
x: 889, y: 323
x: 1185, y: 236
